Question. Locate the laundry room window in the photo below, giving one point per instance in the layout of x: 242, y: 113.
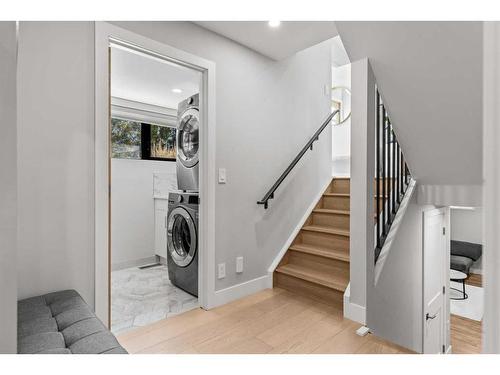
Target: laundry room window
x: 158, y: 142
x: 125, y: 139
x: 136, y: 140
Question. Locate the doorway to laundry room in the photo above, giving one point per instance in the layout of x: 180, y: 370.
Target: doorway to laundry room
x: 154, y: 188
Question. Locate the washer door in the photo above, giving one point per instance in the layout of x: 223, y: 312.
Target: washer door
x: 187, y: 138
x: 181, y: 236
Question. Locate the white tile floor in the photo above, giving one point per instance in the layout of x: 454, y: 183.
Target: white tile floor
x: 143, y: 296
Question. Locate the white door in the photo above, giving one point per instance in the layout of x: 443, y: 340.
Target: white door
x: 434, y: 281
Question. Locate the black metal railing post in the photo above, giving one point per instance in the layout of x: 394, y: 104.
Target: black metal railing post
x: 392, y: 174
x: 384, y: 167
x: 377, y: 150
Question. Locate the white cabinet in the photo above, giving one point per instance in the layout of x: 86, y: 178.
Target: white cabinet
x: 161, y: 211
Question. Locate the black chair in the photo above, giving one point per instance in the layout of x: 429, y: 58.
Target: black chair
x: 463, y: 255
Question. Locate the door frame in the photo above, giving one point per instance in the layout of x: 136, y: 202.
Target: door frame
x: 446, y: 282
x: 104, y: 34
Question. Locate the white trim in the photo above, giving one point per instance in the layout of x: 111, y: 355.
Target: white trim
x: 104, y: 34
x: 491, y: 174
x: 353, y: 311
x: 297, y: 229
x: 238, y: 291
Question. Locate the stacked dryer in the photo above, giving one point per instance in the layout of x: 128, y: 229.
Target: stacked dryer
x: 182, y: 223
x: 188, y: 122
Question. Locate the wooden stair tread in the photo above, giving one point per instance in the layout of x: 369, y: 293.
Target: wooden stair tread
x: 316, y: 276
x: 337, y: 194
x: 321, y: 251
x: 347, y: 195
x: 328, y: 230
x: 331, y: 211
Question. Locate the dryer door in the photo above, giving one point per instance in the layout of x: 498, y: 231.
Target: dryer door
x: 181, y: 236
x: 187, y: 138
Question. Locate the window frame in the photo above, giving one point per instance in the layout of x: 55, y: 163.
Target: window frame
x: 146, y: 143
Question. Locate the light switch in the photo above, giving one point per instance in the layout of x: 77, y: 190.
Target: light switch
x: 222, y: 175
x: 239, y: 264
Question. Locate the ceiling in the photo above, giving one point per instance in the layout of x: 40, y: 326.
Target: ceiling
x: 430, y: 77
x: 141, y: 78
x: 276, y: 43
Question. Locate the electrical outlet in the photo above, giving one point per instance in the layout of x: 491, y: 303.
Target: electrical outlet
x: 221, y: 273
x: 239, y: 264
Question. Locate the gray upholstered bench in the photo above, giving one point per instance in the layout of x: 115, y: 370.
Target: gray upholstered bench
x: 62, y: 323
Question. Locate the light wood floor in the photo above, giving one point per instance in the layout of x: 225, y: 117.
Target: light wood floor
x: 474, y: 279
x: 271, y: 321
x: 275, y: 321
x: 465, y: 335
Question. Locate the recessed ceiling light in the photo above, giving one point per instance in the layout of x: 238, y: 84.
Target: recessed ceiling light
x: 177, y: 91
x: 274, y: 23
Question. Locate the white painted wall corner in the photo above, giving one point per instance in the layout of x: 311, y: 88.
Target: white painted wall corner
x: 353, y: 311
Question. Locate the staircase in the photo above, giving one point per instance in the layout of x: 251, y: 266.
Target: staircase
x: 317, y: 262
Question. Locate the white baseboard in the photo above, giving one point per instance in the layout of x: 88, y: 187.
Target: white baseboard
x: 297, y: 229
x: 223, y: 296
x: 353, y: 311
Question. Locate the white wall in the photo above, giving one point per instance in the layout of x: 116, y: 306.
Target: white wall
x: 266, y: 111
x: 362, y: 175
x: 467, y: 225
x: 8, y: 189
x: 56, y: 158
x: 341, y: 134
x: 491, y: 202
x: 132, y: 209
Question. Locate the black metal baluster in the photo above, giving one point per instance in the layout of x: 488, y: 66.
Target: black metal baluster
x: 401, y: 175
x: 389, y: 200
x: 393, y: 185
x: 377, y: 195
x: 384, y: 165
x: 398, y: 197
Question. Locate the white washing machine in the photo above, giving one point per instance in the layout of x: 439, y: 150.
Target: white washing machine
x: 188, y: 122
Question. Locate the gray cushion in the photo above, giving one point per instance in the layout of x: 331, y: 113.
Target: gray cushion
x: 96, y: 343
x: 37, y: 313
x: 81, y: 329
x: 72, y: 316
x: 62, y: 323
x: 32, y: 327
x: 460, y: 263
x: 40, y: 342
x: 466, y: 249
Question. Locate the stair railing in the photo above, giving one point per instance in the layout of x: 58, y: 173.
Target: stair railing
x: 309, y: 146
x: 392, y: 175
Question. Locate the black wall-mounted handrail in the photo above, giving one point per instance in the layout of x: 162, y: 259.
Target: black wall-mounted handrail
x: 309, y: 145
